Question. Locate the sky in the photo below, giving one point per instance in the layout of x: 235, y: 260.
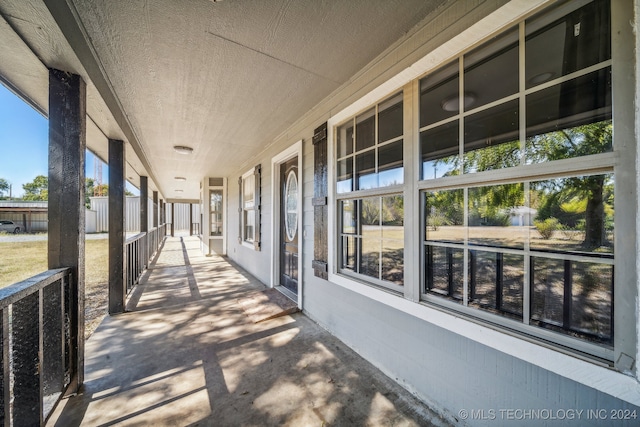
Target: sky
x: 24, y: 139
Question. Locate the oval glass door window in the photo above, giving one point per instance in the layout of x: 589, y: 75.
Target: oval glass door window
x: 291, y: 204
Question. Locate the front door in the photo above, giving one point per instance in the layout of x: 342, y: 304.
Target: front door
x: 289, y: 224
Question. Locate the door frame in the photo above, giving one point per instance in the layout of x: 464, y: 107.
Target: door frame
x: 287, y: 154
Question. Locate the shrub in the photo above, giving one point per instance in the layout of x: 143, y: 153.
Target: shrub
x: 547, y: 227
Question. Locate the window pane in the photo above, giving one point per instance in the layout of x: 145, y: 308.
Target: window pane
x: 573, y: 214
x: 390, y: 167
x: 547, y: 291
x: 349, y: 216
x: 370, y: 257
x: 344, y: 182
x: 249, y: 225
x: 444, y: 212
x: 345, y: 139
x: 491, y: 138
x: 496, y: 282
x: 366, y: 170
x: 439, y: 151
x: 393, y: 217
x: 248, y: 189
x: 390, y: 118
x: 592, y: 300
x: 491, y: 71
x: 371, y: 237
x: 349, y: 251
x: 492, y: 221
x: 393, y: 261
x: 581, y: 106
x: 559, y: 45
x: 574, y: 298
x: 444, y: 271
x: 439, y: 94
x: 365, y: 130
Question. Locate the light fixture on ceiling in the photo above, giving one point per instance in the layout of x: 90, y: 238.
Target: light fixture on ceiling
x: 183, y: 149
x: 541, y: 78
x: 452, y: 103
x: 178, y: 191
x: 180, y: 178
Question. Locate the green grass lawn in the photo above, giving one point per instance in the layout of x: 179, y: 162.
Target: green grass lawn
x: 21, y: 260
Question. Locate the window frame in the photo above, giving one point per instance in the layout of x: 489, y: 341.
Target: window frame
x: 357, y: 194
x: 602, y: 163
x: 569, y: 362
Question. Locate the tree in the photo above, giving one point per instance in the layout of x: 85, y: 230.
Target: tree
x: 567, y: 143
x: 4, y: 186
x: 38, y: 189
x: 574, y: 142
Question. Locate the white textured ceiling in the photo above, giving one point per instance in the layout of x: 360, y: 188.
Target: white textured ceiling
x: 222, y: 77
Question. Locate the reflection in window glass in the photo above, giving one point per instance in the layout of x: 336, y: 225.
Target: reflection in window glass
x: 366, y: 176
x: 491, y: 138
x: 390, y: 166
x: 491, y: 216
x: 365, y: 130
x: 573, y: 298
x: 390, y: 118
x: 491, y: 71
x: 372, y: 237
x: 573, y: 214
x: 344, y: 182
x: 439, y: 95
x: 496, y: 282
x: 444, y: 211
x: 393, y: 239
x: 559, y: 45
x: 345, y: 140
x: 444, y: 271
x: 571, y: 119
x: 439, y: 151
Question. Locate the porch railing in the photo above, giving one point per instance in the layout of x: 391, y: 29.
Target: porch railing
x: 37, y: 346
x: 139, y: 250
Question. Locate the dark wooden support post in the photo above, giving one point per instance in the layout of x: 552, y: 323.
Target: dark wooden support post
x: 144, y: 204
x: 67, y: 145
x: 155, y: 209
x: 173, y: 219
x: 162, y: 215
x: 144, y: 220
x: 117, y: 203
x: 190, y: 219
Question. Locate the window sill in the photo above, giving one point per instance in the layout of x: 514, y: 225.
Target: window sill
x: 248, y: 245
x: 584, y: 372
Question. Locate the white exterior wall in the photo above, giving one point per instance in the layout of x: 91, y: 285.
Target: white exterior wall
x: 451, y: 363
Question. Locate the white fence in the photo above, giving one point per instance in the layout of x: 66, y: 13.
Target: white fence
x: 132, y: 214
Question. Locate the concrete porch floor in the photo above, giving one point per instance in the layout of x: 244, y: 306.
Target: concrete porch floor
x: 186, y: 355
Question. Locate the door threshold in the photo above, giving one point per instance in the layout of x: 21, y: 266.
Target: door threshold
x: 287, y: 293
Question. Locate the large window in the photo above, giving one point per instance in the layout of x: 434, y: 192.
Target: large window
x: 369, y: 178
x: 518, y: 222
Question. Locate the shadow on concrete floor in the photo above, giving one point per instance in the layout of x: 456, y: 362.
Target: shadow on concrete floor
x: 186, y: 354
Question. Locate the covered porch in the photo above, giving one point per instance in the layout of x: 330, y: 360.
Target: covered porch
x: 185, y: 353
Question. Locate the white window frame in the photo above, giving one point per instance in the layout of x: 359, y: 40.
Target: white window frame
x: 567, y: 364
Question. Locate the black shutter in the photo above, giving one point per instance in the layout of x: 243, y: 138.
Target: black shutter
x: 257, y: 206
x: 320, y: 208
